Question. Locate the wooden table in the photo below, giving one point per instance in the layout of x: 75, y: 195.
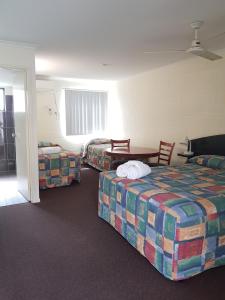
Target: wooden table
x: 134, y: 153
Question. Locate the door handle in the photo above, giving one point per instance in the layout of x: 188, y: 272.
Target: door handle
x: 13, y: 135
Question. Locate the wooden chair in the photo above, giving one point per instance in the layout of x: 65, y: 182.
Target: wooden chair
x: 120, y: 144
x: 165, y: 154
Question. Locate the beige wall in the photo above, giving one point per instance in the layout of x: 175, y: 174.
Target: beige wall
x: 51, y: 127
x: 183, y: 99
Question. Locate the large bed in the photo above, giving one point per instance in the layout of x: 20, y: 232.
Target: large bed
x: 175, y: 216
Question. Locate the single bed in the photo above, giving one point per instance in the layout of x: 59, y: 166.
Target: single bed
x: 57, y: 169
x: 94, y: 154
x: 175, y: 216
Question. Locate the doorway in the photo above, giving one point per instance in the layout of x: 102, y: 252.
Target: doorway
x: 13, y: 164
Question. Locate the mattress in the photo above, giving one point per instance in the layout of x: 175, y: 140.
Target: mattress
x: 58, y: 169
x: 175, y: 216
x: 97, y: 158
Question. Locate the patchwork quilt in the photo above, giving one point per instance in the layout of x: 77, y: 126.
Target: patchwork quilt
x: 58, y: 169
x: 97, y: 158
x: 175, y: 216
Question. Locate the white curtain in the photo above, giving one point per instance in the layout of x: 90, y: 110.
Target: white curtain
x: 86, y: 112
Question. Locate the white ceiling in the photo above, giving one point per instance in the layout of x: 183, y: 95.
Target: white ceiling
x: 75, y: 37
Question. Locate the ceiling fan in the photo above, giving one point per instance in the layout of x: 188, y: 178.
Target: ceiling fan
x: 196, y: 47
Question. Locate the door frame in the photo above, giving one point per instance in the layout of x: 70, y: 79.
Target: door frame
x: 32, y: 147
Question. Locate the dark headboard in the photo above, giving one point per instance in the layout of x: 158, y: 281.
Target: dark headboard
x: 214, y: 144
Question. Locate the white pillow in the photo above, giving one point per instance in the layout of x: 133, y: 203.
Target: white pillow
x: 49, y: 150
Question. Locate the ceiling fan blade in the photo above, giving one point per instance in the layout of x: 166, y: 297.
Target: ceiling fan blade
x: 164, y: 51
x: 208, y: 55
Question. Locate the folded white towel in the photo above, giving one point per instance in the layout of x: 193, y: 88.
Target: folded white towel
x: 121, y: 171
x: 133, y: 169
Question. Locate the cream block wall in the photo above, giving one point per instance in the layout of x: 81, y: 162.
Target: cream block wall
x: 51, y: 127
x: 183, y: 99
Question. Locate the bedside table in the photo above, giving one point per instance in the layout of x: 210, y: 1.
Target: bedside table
x: 187, y: 156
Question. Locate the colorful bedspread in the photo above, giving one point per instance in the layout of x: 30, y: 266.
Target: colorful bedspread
x: 175, y: 216
x: 58, y: 169
x: 97, y: 158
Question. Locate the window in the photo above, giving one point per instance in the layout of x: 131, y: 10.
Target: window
x: 2, y: 106
x: 86, y: 112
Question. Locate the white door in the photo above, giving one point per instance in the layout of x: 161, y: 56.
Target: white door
x: 19, y: 97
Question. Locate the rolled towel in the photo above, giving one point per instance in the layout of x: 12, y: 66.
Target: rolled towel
x: 133, y: 169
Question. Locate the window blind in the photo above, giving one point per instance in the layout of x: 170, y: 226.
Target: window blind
x: 86, y: 112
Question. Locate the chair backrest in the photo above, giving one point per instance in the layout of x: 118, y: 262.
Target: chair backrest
x: 165, y: 152
x: 120, y: 144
